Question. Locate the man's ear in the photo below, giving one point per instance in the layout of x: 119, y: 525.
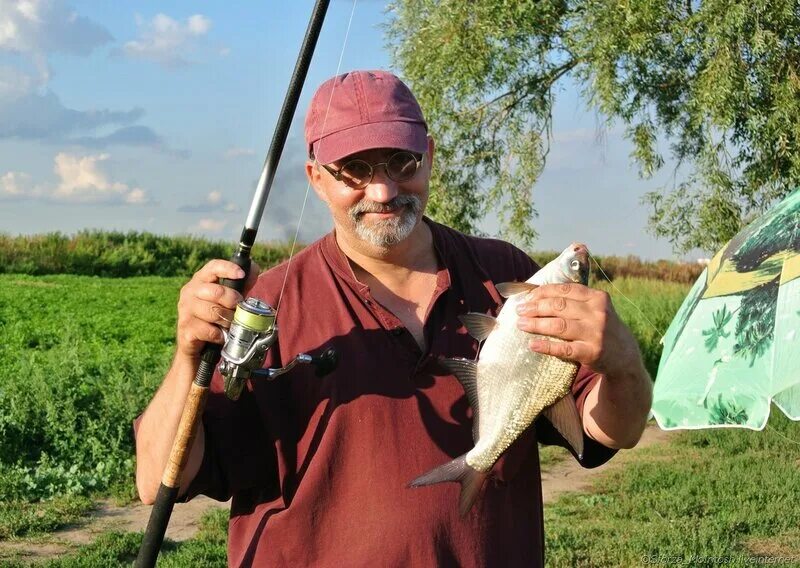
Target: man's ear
x: 431, y: 148
x: 313, y: 174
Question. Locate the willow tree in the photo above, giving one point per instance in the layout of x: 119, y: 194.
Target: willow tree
x: 712, y: 86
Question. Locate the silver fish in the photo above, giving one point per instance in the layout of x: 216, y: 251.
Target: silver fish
x: 510, y: 385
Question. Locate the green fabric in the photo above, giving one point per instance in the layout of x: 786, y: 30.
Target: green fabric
x: 734, y: 345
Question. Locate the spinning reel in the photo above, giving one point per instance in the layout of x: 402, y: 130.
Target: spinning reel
x: 252, y: 332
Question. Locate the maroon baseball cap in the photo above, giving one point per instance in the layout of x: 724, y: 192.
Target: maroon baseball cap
x: 363, y: 110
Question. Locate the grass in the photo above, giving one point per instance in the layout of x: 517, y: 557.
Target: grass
x: 207, y: 549
x: 729, y: 495
x: 20, y: 517
x: 79, y: 359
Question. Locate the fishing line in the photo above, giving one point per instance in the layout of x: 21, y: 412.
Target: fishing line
x: 661, y: 334
x: 218, y: 312
x: 308, y: 185
x: 776, y: 431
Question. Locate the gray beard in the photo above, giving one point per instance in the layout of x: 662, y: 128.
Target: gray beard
x: 386, y: 232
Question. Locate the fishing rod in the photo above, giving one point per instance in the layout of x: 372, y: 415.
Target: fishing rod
x: 253, y: 330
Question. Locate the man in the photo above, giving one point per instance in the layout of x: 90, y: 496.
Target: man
x: 318, y: 467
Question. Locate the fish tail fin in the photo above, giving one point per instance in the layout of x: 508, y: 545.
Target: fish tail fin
x: 470, y: 479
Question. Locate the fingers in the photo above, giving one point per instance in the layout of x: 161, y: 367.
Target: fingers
x: 540, y: 307
x: 204, y: 305
x: 216, y: 294
x: 569, y: 290
x: 216, y: 269
x: 572, y: 350
x: 195, y: 334
x: 561, y: 328
x: 212, y: 313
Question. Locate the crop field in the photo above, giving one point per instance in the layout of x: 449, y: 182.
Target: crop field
x: 81, y: 356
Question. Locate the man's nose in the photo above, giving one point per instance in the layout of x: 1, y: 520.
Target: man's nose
x: 381, y: 189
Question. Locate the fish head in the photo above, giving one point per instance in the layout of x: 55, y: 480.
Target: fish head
x: 573, y: 263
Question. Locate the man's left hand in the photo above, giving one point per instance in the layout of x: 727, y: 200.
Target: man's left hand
x: 584, y: 318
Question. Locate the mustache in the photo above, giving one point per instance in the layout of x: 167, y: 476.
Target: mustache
x: 367, y: 206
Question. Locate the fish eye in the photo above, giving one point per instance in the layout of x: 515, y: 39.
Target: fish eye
x: 574, y: 265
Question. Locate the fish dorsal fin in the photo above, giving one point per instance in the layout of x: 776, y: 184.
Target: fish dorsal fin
x: 478, y: 325
x: 563, y: 415
x: 508, y: 289
x: 466, y: 371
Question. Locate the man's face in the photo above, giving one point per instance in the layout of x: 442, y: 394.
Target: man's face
x: 383, y: 213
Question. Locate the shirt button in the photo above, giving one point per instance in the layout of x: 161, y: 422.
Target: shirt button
x: 397, y: 331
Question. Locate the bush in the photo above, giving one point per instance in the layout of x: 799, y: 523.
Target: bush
x: 118, y: 255
x: 608, y: 268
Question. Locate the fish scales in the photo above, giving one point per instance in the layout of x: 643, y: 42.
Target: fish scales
x: 514, y: 386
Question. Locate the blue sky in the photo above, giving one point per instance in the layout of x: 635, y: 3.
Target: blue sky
x: 157, y: 116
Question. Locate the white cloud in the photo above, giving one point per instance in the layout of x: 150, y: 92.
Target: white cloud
x: 82, y: 181
x: 166, y: 41
x: 47, y: 26
x: 15, y: 185
x: 199, y: 24
x: 136, y: 196
x: 236, y: 152
x: 215, y: 197
x: 208, y: 226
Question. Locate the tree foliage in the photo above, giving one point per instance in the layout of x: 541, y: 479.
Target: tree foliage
x: 716, y: 82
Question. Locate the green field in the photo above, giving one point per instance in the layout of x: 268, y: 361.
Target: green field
x: 81, y: 356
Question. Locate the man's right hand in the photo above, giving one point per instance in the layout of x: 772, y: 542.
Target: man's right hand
x: 205, y: 305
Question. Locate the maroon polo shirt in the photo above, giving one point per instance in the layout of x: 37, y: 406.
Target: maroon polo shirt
x: 318, y: 467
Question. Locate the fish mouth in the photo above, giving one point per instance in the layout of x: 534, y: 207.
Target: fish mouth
x: 581, y: 251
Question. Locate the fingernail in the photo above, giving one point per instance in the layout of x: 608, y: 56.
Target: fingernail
x: 240, y: 273
x: 522, y: 308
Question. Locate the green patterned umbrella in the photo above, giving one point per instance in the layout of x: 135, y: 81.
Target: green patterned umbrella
x: 734, y: 346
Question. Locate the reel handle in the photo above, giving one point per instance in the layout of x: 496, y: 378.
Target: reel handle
x: 325, y: 363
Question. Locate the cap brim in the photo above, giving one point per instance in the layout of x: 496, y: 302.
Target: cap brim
x: 411, y: 136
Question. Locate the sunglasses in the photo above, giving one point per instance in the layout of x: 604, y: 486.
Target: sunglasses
x: 400, y: 167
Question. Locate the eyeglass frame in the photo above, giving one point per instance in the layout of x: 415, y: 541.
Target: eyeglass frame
x: 337, y: 174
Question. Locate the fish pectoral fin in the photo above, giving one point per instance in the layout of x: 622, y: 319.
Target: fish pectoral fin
x: 508, y: 289
x: 478, y: 325
x: 563, y: 415
x: 471, y: 481
x: 466, y: 372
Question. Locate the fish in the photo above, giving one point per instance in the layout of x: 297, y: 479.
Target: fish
x: 509, y: 386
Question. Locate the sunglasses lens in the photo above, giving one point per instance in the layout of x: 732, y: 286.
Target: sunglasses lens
x: 402, y: 166
x: 356, y: 173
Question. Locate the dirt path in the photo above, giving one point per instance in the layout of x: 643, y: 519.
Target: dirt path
x: 568, y: 475
x: 563, y: 476
x: 107, y: 517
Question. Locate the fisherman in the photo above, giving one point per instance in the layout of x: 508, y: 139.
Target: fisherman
x: 318, y: 468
